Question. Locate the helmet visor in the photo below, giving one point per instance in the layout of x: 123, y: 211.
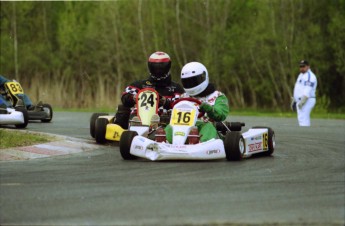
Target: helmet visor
x: 194, y: 81
x: 159, y: 69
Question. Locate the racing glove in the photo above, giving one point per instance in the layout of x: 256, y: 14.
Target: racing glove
x: 164, y: 102
x: 205, y: 107
x: 293, y: 104
x: 128, y: 100
x: 302, y: 102
x: 217, y: 112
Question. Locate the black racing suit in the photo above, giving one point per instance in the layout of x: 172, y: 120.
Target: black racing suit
x: 166, y: 88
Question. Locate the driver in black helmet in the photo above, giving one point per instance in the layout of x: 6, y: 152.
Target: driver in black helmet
x: 159, y: 65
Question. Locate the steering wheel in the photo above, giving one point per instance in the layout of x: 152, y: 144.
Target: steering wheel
x: 191, y: 99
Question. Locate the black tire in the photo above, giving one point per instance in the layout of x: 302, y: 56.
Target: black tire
x: 50, y: 116
x: 234, y: 146
x: 100, y: 130
x: 26, y: 117
x: 271, y: 140
x: 125, y: 144
x: 93, y: 118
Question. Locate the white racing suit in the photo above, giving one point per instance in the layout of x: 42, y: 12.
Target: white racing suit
x: 305, y: 87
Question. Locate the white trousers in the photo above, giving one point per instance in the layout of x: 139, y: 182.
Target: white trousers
x: 303, y: 114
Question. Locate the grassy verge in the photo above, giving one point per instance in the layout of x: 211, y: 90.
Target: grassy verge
x: 11, y: 138
x: 243, y: 112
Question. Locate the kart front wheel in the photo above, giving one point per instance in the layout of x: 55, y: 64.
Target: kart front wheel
x: 125, y: 144
x: 25, y: 116
x: 93, y: 119
x: 100, y: 130
x: 234, y: 146
x: 271, y: 140
x: 49, y: 110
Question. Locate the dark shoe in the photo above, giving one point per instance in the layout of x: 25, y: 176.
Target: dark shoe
x: 122, y: 116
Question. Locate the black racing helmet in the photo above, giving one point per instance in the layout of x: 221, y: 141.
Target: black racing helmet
x: 159, y: 65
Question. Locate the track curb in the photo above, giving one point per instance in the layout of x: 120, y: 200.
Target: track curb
x: 62, y: 145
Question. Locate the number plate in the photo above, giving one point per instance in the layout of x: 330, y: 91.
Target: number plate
x: 265, y: 141
x: 182, y: 117
x: 147, y: 105
x: 14, y: 88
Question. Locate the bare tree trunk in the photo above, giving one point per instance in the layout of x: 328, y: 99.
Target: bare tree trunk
x: 276, y: 88
x: 180, y: 32
x: 15, y: 40
x: 141, y: 31
x: 119, y: 72
x: 239, y: 92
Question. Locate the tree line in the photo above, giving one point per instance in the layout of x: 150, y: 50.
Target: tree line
x: 84, y: 53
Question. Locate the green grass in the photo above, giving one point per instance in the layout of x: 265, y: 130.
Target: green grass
x: 289, y: 114
x: 10, y: 138
x: 322, y: 114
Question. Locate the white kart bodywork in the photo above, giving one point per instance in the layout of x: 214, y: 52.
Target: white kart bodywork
x: 256, y: 141
x: 146, y: 148
x: 149, y: 149
x: 12, y: 117
x: 233, y: 145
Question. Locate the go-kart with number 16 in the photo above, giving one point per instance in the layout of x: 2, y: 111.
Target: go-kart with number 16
x: 149, y: 141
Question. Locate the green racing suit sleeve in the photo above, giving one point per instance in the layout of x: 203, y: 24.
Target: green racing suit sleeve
x: 219, y: 111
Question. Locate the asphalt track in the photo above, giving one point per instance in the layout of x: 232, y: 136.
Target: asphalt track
x: 303, y: 183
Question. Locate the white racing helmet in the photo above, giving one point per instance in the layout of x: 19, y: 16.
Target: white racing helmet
x: 194, y: 78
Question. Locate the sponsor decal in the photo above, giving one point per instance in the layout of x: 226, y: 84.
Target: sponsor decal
x: 179, y: 134
x: 255, y: 147
x: 178, y: 146
x: 213, y: 98
x: 152, y: 147
x: 308, y: 83
x: 116, y: 134
x: 138, y: 147
x: 211, y: 152
x: 256, y: 138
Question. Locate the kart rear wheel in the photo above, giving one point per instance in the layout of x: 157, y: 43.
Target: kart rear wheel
x: 100, y: 130
x: 93, y: 118
x: 26, y: 117
x: 234, y: 146
x: 49, y: 110
x: 271, y: 140
x: 125, y: 144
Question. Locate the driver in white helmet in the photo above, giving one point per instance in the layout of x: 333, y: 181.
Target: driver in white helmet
x: 195, y: 81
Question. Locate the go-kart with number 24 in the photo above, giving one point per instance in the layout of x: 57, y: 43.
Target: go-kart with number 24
x: 103, y: 128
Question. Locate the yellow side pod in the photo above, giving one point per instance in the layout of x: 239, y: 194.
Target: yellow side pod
x: 114, y: 132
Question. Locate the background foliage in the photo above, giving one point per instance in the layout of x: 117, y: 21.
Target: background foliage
x: 82, y: 54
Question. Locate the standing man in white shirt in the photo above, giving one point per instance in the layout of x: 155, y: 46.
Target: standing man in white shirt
x: 304, y: 93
